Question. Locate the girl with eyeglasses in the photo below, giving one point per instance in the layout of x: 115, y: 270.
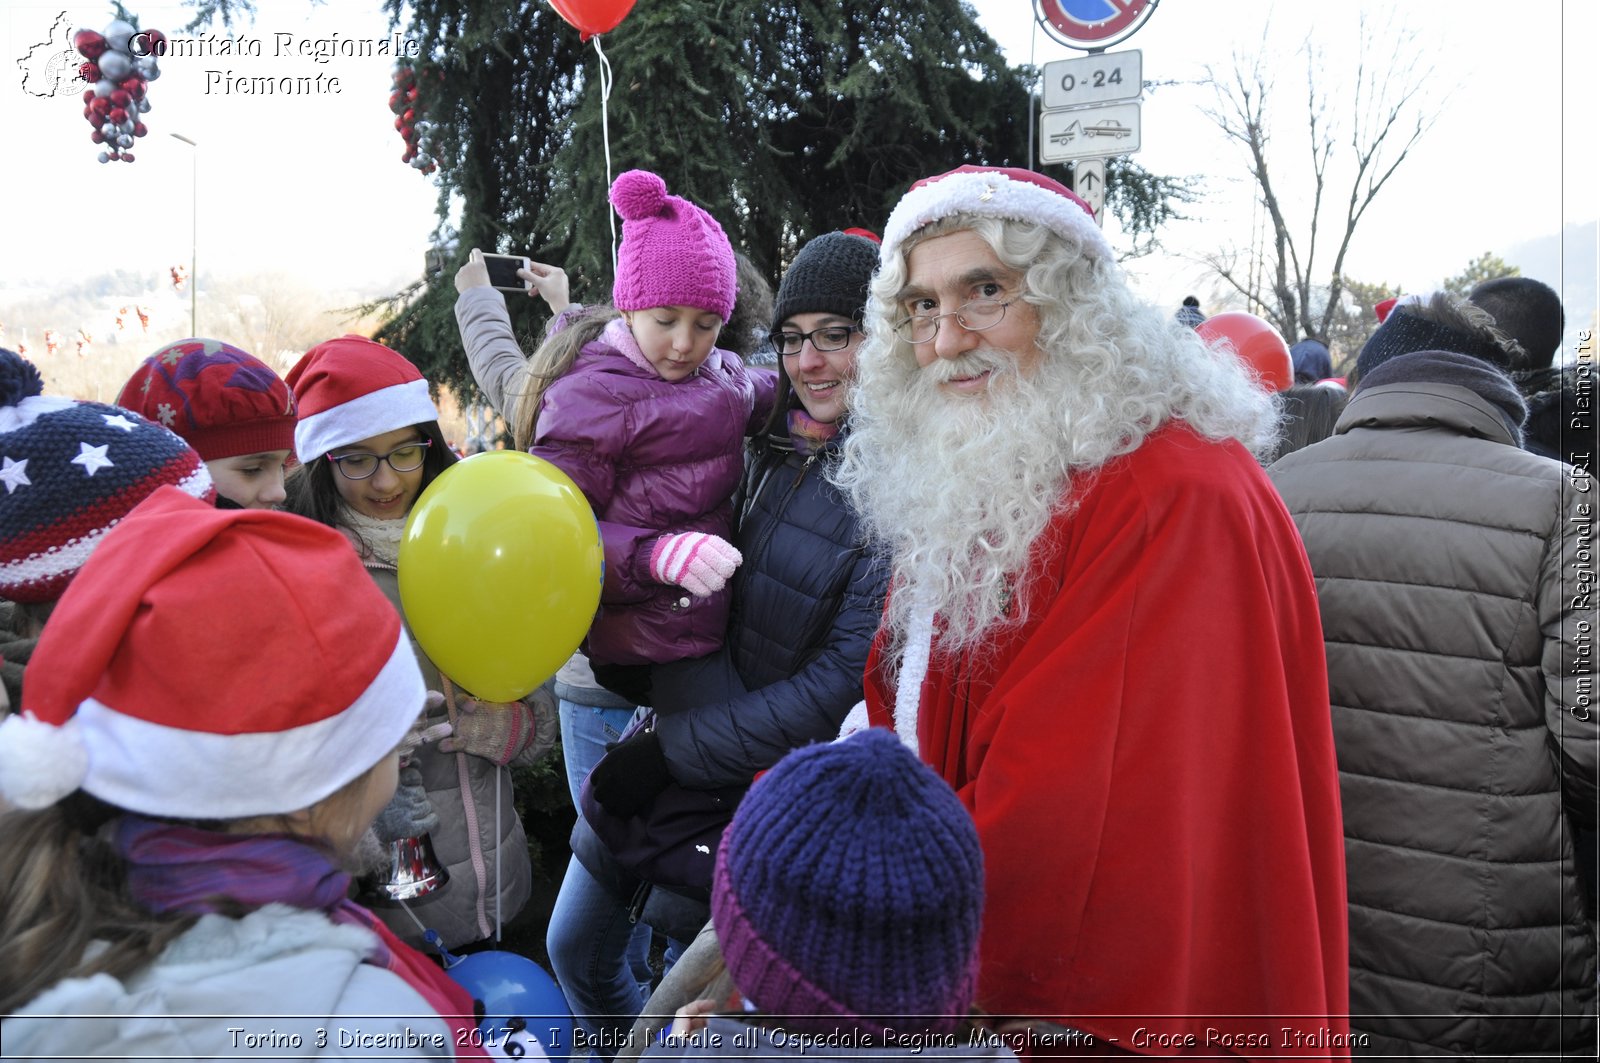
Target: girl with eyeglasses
x: 369, y: 443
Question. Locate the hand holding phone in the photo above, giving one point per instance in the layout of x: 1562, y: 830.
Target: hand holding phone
x: 503, y: 272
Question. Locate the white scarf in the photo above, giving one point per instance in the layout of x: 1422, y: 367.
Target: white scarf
x: 376, y: 540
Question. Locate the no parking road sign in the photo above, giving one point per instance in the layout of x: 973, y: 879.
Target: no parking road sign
x: 1092, y: 24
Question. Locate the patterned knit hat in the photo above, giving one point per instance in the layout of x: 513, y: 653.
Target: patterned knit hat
x: 71, y: 470
x: 153, y: 690
x: 995, y: 192
x: 849, y: 888
x: 350, y: 389
x: 1404, y: 332
x: 223, y: 401
x: 673, y: 253
x: 829, y: 276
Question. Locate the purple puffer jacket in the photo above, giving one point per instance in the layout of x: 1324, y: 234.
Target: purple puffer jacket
x: 653, y: 458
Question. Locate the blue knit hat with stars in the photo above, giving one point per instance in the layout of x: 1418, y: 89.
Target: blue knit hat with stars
x: 69, y: 471
x: 848, y: 891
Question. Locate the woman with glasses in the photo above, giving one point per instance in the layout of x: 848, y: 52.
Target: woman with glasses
x: 369, y: 443
x: 805, y: 605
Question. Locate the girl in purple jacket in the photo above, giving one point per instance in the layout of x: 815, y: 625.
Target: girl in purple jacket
x: 648, y: 416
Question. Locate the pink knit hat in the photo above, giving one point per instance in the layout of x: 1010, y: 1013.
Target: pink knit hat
x: 673, y: 253
x: 349, y: 389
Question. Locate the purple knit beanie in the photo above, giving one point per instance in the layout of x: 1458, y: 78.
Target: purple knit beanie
x: 849, y: 891
x: 673, y: 253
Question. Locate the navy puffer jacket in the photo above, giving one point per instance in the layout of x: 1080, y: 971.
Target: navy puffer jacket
x: 806, y: 603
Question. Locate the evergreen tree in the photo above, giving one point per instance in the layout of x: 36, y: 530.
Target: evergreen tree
x: 783, y: 118
x: 1486, y: 267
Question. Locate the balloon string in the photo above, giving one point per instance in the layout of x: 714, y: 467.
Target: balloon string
x: 499, y: 838
x: 605, y: 139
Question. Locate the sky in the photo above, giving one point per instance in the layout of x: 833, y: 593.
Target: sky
x: 313, y: 184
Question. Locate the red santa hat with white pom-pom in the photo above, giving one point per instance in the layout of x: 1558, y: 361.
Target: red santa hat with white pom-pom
x: 153, y: 689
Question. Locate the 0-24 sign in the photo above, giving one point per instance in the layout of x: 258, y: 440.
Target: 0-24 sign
x: 1104, y: 78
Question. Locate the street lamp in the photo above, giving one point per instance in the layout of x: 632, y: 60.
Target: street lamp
x: 194, y: 230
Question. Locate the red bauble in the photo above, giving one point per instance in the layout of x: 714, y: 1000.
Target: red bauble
x: 118, y: 115
x: 140, y: 129
x: 89, y: 72
x: 89, y: 44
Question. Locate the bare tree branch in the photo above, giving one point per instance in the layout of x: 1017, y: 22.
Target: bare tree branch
x: 1387, y: 116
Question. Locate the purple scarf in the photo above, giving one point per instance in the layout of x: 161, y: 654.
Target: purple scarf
x: 807, y: 434
x: 185, y: 869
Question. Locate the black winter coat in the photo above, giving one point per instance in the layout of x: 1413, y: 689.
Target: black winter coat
x: 806, y: 603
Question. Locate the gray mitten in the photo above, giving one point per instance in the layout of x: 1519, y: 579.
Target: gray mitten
x: 408, y: 814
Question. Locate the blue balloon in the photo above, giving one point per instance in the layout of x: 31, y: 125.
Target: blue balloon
x: 521, y: 1003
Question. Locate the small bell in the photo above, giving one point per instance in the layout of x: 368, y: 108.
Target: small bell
x: 414, y: 873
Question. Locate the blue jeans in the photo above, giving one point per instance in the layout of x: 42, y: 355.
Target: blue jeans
x: 586, y: 730
x: 591, y: 942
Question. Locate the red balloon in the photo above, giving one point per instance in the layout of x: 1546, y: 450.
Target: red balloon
x: 89, y: 43
x: 1256, y: 343
x: 590, y: 17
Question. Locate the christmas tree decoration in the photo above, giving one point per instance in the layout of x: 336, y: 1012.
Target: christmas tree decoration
x: 120, y: 63
x: 409, y: 102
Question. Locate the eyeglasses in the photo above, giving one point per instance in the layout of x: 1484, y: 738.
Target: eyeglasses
x: 975, y: 316
x: 408, y: 458
x: 832, y: 338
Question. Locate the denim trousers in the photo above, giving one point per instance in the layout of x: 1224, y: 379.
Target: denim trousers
x: 604, y: 964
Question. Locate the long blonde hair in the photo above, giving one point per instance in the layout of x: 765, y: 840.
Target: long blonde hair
x: 550, y: 363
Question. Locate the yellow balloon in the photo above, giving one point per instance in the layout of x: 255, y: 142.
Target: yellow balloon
x: 500, y: 572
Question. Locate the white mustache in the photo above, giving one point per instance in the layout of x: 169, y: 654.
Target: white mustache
x: 971, y: 364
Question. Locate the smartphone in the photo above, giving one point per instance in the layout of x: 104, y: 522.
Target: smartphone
x: 503, y: 272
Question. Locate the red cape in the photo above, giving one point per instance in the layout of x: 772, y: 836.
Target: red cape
x: 1150, y: 763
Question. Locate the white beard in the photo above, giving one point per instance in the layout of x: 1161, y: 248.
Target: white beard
x: 961, y: 488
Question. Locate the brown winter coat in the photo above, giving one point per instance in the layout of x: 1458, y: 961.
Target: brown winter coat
x: 1462, y: 694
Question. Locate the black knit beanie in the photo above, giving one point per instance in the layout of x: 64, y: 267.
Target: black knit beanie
x: 828, y: 276
x: 1463, y: 370
x: 1406, y: 333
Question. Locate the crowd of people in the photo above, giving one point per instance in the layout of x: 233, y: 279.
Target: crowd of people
x: 1011, y: 672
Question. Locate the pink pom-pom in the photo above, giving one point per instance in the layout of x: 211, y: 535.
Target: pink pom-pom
x: 638, y: 194
x: 39, y: 762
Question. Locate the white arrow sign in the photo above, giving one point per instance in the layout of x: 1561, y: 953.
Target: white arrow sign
x: 1089, y: 181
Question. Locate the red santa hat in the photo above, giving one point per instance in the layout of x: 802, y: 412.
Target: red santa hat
x: 349, y: 389
x: 152, y: 689
x: 996, y: 192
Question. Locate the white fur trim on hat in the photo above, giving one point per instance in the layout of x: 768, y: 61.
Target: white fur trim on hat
x: 39, y: 762
x: 991, y: 195
x: 373, y: 414
x: 160, y: 770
